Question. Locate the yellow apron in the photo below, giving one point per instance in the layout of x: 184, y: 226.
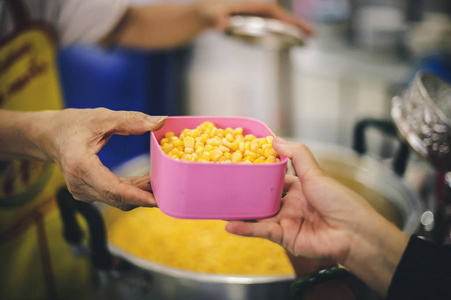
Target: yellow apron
x: 35, y: 261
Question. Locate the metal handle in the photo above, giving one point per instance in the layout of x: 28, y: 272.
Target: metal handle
x: 100, y: 256
x: 387, y: 127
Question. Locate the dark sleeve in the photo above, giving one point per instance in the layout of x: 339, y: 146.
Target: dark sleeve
x: 424, y: 272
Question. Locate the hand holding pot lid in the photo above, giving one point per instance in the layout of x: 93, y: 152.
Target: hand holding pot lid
x: 218, y: 13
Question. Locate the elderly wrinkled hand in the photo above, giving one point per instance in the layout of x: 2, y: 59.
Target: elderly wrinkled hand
x: 74, y: 137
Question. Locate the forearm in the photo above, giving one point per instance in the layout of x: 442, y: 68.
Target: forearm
x: 160, y: 26
x: 19, y: 133
x: 376, y: 252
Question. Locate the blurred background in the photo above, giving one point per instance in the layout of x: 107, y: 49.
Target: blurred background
x: 363, y: 52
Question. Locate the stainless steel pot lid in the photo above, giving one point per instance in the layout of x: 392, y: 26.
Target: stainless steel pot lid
x: 264, y: 31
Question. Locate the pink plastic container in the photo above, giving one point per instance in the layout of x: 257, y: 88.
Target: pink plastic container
x: 193, y: 190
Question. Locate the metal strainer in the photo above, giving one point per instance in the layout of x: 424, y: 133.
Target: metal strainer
x: 422, y: 115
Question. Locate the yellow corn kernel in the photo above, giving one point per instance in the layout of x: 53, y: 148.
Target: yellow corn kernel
x: 237, y: 156
x: 177, y: 143
x: 247, y: 145
x: 250, y: 153
x: 249, y: 137
x: 169, y: 134
x: 269, y: 139
x: 215, y: 154
x: 270, y: 152
x: 189, y: 142
x: 260, y: 142
x: 266, y: 146
x: 222, y: 159
x: 238, y: 131
x: 174, y: 138
x: 204, y: 137
x: 181, y: 148
x: 189, y: 150
x: 224, y: 149
x: 173, y: 152
x: 206, y: 156
x: 220, y: 133
x: 213, y: 142
x: 199, y: 152
x: 254, y: 147
x: 184, y: 134
x: 208, y: 147
x: 193, y: 157
x: 270, y: 159
x: 260, y: 160
x: 227, y: 144
x: 185, y: 156
x: 228, y: 130
x: 167, y: 148
x: 194, y: 133
x: 248, y: 158
x: 164, y: 141
x: 209, y: 124
x: 241, y: 146
x: 229, y: 138
x: 213, y: 132
x: 198, y: 145
x: 174, y: 157
x: 202, y: 160
x: 235, y: 146
x: 227, y: 155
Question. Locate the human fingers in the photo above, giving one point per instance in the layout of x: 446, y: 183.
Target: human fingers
x: 301, y: 157
x: 263, y: 229
x: 288, y: 182
x: 271, y: 10
x: 133, y: 122
x: 101, y: 184
x: 141, y: 182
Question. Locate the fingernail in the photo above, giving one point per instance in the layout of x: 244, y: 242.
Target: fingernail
x: 279, y: 140
x: 156, y: 119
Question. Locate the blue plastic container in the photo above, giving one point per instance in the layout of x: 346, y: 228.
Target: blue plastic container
x: 123, y: 79
x: 437, y: 63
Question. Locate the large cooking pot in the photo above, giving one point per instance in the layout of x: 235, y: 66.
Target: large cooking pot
x: 383, y: 188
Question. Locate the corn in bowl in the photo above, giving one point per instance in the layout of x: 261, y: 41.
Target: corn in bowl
x: 218, y: 188
x: 207, y: 143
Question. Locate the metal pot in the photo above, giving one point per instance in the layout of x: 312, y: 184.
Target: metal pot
x: 423, y: 117
x: 388, y: 194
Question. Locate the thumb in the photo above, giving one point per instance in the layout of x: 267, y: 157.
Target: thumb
x: 133, y: 122
x: 301, y: 157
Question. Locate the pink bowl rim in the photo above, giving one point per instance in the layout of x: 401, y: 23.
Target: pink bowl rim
x: 283, y: 159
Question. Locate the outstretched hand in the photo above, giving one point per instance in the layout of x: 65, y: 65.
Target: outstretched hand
x: 73, y: 139
x: 322, y: 219
x: 317, y: 214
